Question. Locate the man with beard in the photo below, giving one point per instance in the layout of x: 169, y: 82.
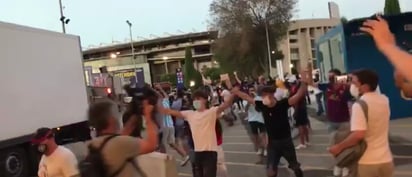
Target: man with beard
x: 56, y: 161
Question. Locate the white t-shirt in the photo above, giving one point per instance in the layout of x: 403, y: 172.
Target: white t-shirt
x: 202, y: 124
x: 225, y: 94
x: 253, y: 115
x: 61, y: 163
x: 377, y: 128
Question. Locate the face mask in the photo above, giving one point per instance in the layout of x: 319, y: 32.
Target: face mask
x: 42, y: 148
x: 266, y: 101
x: 354, y: 91
x: 197, y: 104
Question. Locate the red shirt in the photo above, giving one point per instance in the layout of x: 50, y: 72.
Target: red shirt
x: 219, y: 138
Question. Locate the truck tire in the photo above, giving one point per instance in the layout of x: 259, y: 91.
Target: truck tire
x: 14, y: 162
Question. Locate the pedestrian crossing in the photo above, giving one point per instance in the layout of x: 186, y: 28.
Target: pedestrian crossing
x: 316, y: 161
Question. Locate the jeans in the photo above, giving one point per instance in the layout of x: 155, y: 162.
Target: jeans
x: 282, y: 148
x: 319, y: 98
x: 205, y: 164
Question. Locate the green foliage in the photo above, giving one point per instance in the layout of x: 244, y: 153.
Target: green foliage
x: 242, y: 26
x: 343, y: 20
x: 190, y: 73
x: 213, y: 73
x: 169, y: 78
x: 392, y: 7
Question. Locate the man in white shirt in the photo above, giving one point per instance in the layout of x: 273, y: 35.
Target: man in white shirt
x: 374, y: 129
x: 202, y: 123
x: 56, y: 161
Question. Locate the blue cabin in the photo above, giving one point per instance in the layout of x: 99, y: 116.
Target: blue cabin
x: 347, y: 49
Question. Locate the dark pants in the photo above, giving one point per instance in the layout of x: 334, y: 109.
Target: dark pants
x: 319, y: 98
x: 239, y: 103
x: 205, y: 164
x: 282, y: 148
x: 308, y: 98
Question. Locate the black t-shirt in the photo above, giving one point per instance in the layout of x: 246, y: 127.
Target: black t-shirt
x: 276, y: 119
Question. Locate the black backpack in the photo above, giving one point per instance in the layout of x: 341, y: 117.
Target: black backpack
x: 94, y: 164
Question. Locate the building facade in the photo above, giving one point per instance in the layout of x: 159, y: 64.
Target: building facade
x: 152, y: 58
x: 299, y: 45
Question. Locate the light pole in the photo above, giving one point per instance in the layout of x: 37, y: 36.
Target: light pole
x: 268, y: 45
x: 165, y: 58
x: 132, y: 47
x: 62, y: 17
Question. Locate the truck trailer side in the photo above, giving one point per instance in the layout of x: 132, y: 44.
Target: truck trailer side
x: 42, y: 85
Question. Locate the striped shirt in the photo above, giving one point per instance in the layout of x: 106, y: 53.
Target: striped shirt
x: 167, y: 121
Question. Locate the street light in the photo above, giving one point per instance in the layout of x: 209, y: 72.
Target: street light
x: 132, y: 47
x: 63, y: 19
x: 192, y: 83
x: 113, y: 55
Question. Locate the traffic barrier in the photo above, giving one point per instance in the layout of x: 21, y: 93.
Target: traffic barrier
x: 158, y: 164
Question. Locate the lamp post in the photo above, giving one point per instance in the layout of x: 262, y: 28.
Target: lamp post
x: 268, y: 45
x: 165, y: 58
x: 132, y: 48
x: 63, y: 19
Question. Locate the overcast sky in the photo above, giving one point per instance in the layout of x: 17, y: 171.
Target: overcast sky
x: 101, y: 21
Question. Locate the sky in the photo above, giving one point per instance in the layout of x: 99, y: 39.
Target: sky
x: 100, y: 22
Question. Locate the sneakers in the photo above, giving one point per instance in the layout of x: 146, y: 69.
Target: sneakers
x: 345, y: 172
x: 185, y: 160
x: 301, y: 146
x: 259, y: 152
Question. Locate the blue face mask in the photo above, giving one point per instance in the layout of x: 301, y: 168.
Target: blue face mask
x: 197, y: 104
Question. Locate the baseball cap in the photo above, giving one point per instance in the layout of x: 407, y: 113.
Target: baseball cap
x: 41, y: 135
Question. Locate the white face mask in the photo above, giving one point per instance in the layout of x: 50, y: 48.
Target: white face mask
x: 266, y: 101
x: 197, y: 104
x: 354, y: 91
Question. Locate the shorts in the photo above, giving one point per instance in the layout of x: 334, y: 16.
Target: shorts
x: 168, y: 135
x: 301, y: 121
x: 257, y: 128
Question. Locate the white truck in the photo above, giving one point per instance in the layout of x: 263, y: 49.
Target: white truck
x: 42, y: 84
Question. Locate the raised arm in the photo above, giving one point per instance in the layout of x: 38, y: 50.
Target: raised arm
x: 302, y: 90
x: 237, y: 78
x: 386, y: 43
x: 227, y: 103
x: 168, y: 111
x: 162, y: 92
x: 243, y: 95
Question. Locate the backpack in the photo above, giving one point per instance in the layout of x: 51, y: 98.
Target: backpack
x: 352, y: 154
x: 94, y: 164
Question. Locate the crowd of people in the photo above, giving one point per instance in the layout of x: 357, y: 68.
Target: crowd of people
x: 191, y: 124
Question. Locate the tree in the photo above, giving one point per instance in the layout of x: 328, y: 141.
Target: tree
x: 343, y: 20
x: 171, y: 77
x: 190, y: 73
x: 213, y: 73
x: 242, y: 28
x: 392, y: 7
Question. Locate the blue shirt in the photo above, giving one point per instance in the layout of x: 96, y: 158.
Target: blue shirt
x: 168, y: 121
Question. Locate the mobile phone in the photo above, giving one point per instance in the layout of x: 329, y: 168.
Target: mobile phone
x: 343, y: 78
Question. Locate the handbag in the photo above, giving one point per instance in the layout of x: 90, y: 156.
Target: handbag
x: 351, y: 155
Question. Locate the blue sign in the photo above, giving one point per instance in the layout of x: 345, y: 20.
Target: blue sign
x: 179, y: 78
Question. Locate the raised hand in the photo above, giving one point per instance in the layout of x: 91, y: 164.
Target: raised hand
x: 379, y: 30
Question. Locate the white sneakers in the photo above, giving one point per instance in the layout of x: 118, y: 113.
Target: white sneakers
x: 262, y: 152
x: 340, y: 172
x: 302, y: 146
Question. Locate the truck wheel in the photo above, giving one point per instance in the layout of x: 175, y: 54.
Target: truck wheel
x: 14, y: 163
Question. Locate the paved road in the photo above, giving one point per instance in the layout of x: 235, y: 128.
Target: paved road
x: 315, y: 160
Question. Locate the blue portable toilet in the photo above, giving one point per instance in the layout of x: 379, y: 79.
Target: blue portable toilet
x: 346, y: 48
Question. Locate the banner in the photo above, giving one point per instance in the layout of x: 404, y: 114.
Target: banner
x: 130, y: 76
x: 179, y: 75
